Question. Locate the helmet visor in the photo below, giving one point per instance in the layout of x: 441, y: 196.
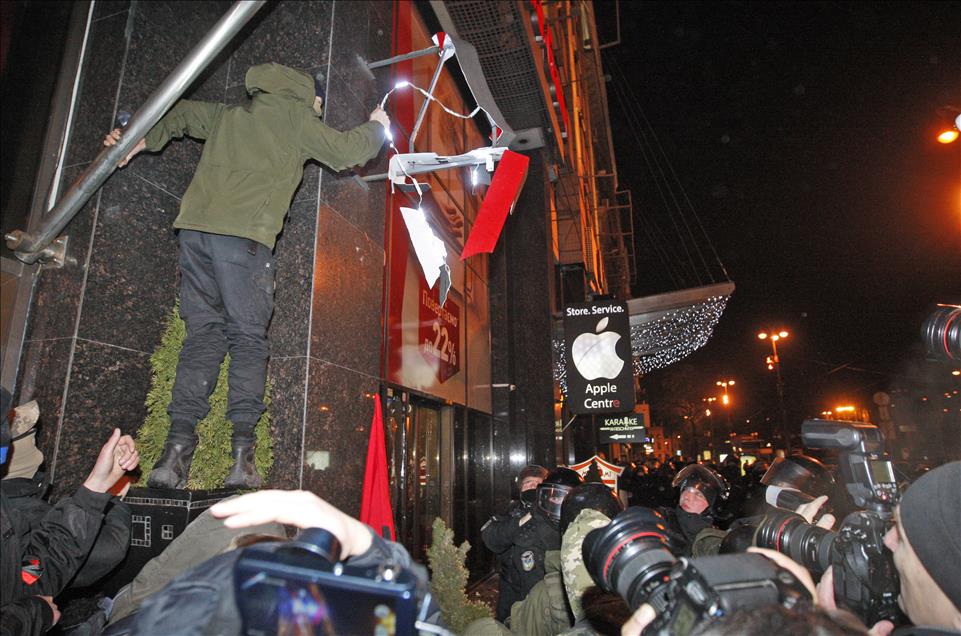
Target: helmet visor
x: 550, y: 498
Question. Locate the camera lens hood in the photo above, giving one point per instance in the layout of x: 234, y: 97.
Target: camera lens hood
x: 319, y: 542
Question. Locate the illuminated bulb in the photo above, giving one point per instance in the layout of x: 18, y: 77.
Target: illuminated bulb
x: 389, y: 135
x: 402, y: 84
x: 948, y: 136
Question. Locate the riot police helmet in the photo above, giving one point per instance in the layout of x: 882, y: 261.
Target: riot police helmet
x: 800, y: 472
x: 552, y: 491
x: 590, y: 495
x: 710, y: 484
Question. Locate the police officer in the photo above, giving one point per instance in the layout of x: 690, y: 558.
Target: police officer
x: 529, y: 537
x: 527, y: 481
x: 700, y: 490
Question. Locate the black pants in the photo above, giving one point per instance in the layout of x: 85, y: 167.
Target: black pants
x: 226, y: 300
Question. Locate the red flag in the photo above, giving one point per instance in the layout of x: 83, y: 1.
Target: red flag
x: 501, y: 195
x: 375, y: 508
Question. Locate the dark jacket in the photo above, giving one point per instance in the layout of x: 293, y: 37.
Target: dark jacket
x: 528, y: 543
x: 40, y: 559
x: 508, y: 588
x: 253, y: 158
x: 683, y: 527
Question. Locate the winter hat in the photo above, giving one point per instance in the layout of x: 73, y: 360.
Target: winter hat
x: 931, y: 517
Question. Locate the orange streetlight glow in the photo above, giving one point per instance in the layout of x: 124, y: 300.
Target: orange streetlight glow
x: 950, y: 117
x: 774, y: 363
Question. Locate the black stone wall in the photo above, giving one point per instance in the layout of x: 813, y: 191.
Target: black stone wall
x: 93, y: 326
x: 521, y: 291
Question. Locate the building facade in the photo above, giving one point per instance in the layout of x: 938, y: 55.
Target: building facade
x: 467, y: 386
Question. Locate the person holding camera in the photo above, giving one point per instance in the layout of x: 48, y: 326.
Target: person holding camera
x: 926, y: 543
x: 205, y: 599
x: 508, y: 589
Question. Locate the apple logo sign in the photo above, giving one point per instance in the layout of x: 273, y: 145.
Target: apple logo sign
x: 595, y: 354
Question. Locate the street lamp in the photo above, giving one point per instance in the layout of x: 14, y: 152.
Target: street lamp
x: 948, y: 133
x: 725, y: 398
x: 710, y: 422
x: 775, y: 361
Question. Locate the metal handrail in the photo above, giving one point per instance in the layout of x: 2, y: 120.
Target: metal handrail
x: 30, y: 247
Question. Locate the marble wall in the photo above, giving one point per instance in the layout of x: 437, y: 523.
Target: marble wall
x: 521, y: 288
x: 93, y: 326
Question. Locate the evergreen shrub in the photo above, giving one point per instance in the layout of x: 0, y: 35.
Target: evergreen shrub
x: 211, y: 461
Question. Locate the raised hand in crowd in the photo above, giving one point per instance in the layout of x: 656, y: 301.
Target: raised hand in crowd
x: 117, y: 456
x: 296, y: 508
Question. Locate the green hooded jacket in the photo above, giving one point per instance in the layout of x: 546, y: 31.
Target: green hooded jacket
x: 254, y: 155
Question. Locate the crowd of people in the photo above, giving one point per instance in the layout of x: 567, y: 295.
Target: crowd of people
x: 702, y: 509
x: 227, y: 230
x: 546, y: 586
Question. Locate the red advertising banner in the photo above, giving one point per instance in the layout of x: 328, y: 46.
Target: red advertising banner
x: 439, y: 331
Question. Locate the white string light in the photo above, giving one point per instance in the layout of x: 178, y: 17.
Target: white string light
x: 405, y: 84
x: 390, y: 136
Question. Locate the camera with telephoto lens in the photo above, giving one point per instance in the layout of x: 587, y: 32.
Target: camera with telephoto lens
x: 941, y: 333
x: 865, y: 579
x: 301, y: 587
x: 633, y: 557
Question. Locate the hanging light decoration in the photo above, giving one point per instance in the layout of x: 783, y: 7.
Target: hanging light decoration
x: 670, y: 337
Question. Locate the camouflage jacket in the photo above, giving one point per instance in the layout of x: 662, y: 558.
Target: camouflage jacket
x: 576, y: 577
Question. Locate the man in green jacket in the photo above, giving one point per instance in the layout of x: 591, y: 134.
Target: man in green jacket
x: 253, y: 160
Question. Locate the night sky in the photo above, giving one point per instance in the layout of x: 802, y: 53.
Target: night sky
x: 803, y: 134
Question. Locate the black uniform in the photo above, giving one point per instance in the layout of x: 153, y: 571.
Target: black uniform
x: 41, y: 558
x: 525, y: 545
x: 684, y: 527
x: 507, y: 588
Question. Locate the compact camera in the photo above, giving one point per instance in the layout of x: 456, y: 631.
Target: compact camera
x: 634, y: 558
x: 301, y: 587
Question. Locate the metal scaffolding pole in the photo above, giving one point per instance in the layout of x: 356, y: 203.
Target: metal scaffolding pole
x: 30, y: 247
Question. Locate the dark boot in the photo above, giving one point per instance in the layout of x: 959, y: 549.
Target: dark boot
x: 243, y: 474
x: 172, y: 468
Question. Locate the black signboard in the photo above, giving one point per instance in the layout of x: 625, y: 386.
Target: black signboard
x: 623, y: 429
x: 600, y: 369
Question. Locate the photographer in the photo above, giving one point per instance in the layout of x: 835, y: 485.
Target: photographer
x: 202, y: 600
x: 926, y: 543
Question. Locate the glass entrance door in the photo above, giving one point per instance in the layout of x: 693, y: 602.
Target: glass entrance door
x: 421, y: 469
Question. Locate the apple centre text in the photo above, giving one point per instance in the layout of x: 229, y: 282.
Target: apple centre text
x: 601, y: 389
